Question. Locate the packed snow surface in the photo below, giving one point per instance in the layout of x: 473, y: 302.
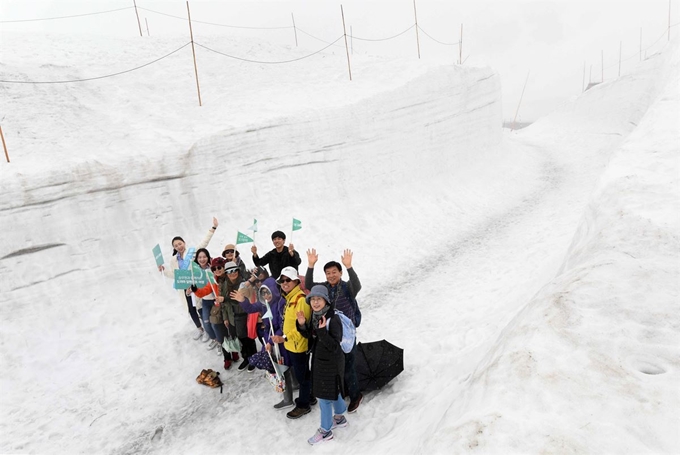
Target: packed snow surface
x: 530, y: 277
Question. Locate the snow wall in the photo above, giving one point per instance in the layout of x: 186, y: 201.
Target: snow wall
x: 603, y: 390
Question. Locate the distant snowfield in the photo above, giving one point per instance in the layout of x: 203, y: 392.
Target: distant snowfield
x: 531, y: 277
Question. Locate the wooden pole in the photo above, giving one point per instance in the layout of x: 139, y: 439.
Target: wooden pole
x: 460, y: 46
x: 147, y: 27
x: 583, y: 83
x: 4, y: 146
x: 640, y: 43
x: 620, y: 48
x: 415, y: 13
x: 193, y: 51
x: 512, y: 128
x: 294, y: 29
x: 344, y: 30
x: 139, y: 24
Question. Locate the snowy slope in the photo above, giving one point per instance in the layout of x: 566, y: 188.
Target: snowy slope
x: 463, y: 238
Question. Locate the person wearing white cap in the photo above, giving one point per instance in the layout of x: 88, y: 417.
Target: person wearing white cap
x: 293, y: 341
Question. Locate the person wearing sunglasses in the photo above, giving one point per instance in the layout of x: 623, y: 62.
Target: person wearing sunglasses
x: 181, y: 259
x: 235, y: 317
x: 280, y: 257
x: 215, y: 316
x: 231, y: 254
x: 293, y: 341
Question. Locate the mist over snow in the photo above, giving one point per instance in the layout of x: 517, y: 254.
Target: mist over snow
x: 531, y: 277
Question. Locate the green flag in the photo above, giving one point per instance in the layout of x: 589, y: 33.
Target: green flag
x: 297, y: 224
x: 158, y: 255
x: 253, y: 227
x: 242, y: 238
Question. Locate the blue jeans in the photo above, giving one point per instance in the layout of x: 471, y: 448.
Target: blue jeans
x: 205, y: 312
x: 300, y: 361
x: 328, y: 408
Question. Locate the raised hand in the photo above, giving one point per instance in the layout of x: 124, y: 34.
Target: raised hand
x: 236, y: 295
x: 215, y: 223
x: 253, y: 249
x: 347, y: 258
x: 322, y: 322
x: 301, y: 317
x: 312, y: 257
x: 291, y: 249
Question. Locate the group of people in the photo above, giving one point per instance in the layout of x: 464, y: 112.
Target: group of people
x: 293, y: 317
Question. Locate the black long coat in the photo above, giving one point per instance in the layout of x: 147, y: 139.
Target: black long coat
x: 328, y: 360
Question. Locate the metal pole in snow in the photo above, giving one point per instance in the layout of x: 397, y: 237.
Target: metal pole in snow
x: 147, y: 27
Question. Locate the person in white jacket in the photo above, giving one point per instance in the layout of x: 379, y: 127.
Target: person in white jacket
x: 181, y: 259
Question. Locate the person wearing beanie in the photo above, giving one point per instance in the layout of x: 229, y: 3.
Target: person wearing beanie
x: 280, y: 257
x: 324, y: 332
x: 343, y: 296
x: 181, y: 259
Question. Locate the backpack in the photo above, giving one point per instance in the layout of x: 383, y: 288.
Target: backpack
x: 355, y: 305
x: 349, y: 332
x: 210, y: 378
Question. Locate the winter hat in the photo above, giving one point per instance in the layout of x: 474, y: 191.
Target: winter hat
x: 217, y: 262
x: 318, y: 291
x: 231, y: 267
x: 289, y: 272
x: 230, y: 246
x: 278, y: 234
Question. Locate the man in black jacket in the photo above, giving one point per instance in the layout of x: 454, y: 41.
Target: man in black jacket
x: 278, y: 258
x: 343, y: 296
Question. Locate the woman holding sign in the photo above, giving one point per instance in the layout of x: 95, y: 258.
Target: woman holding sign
x: 181, y: 260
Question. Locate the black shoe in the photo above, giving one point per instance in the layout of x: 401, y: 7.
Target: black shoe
x: 251, y: 368
x: 298, y: 412
x: 354, y: 404
x: 243, y: 365
x: 283, y: 404
x: 313, y: 401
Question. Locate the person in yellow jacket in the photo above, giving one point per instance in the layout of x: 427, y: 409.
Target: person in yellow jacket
x: 293, y: 341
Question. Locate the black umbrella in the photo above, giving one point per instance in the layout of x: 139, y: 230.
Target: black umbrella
x: 377, y: 363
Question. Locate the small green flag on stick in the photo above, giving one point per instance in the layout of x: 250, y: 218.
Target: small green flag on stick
x: 297, y: 224
x: 253, y: 227
x: 242, y: 238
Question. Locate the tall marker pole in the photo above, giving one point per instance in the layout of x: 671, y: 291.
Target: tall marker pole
x: 193, y: 51
x: 137, y: 13
x: 344, y: 30
x: 294, y: 29
x: 147, y: 27
x: 415, y: 14
x: 4, y: 146
x: 583, y: 84
x: 512, y: 128
x: 460, y: 46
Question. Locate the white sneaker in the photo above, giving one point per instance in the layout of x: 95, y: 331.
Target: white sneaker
x: 218, y: 351
x: 205, y: 337
x: 199, y: 334
x: 212, y: 345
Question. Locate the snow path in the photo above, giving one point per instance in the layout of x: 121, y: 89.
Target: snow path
x: 463, y: 237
